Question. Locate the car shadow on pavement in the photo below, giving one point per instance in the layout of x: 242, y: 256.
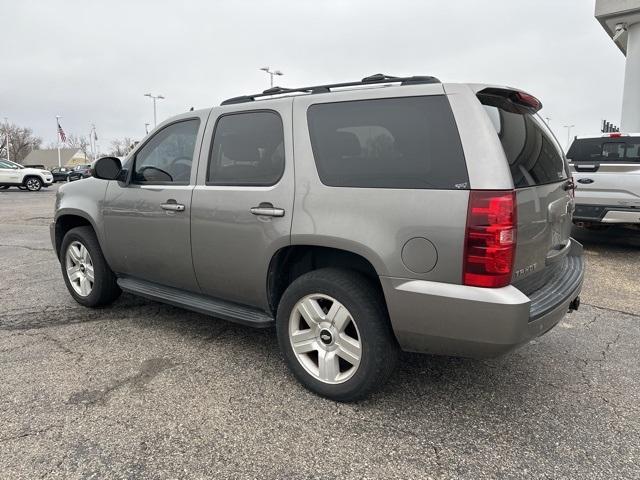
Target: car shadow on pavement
x: 417, y: 375
x: 616, y: 237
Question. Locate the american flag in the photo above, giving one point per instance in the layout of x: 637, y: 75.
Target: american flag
x: 63, y: 137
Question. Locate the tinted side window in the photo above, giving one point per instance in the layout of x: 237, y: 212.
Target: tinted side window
x: 168, y: 156
x: 409, y: 142
x: 613, y: 151
x: 534, y: 158
x: 585, y: 150
x: 632, y: 152
x: 247, y: 149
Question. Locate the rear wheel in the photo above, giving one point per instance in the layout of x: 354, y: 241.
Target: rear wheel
x: 33, y: 184
x: 334, y: 332
x: 89, y: 279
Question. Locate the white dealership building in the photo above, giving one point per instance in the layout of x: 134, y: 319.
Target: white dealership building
x: 621, y: 20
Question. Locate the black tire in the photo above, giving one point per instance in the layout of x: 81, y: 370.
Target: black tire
x: 4, y: 187
x: 33, y: 184
x: 105, y: 288
x: 365, y: 303
x: 22, y: 187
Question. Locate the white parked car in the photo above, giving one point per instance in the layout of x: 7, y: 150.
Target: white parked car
x: 606, y: 171
x: 15, y: 175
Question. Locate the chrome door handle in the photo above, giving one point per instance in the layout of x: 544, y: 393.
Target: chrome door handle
x: 173, y: 207
x: 267, y: 211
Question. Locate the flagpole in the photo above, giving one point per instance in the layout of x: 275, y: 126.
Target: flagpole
x: 93, y: 153
x: 58, y: 117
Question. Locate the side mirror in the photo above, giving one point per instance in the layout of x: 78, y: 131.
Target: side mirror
x: 106, y: 168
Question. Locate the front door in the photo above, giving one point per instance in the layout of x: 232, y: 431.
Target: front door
x: 243, y: 202
x: 147, y: 218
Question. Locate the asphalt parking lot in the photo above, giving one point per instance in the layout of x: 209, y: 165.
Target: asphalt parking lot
x: 144, y: 390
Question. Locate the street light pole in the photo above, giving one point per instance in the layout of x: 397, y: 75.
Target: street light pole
x: 92, y: 142
x: 271, y: 73
x: 154, y: 98
x: 568, y: 127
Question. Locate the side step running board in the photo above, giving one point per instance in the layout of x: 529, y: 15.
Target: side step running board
x: 197, y: 302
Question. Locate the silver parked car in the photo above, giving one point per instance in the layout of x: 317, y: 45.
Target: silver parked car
x: 606, y: 169
x: 360, y: 218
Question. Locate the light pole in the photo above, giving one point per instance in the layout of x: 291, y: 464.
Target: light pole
x: 568, y: 127
x: 154, y: 98
x: 271, y: 73
x: 6, y: 131
x: 92, y: 141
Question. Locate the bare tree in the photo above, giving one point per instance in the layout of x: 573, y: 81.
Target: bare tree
x: 81, y: 142
x: 21, y: 142
x: 121, y: 147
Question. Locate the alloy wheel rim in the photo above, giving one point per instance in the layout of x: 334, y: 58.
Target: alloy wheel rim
x: 32, y: 184
x: 79, y: 268
x: 325, y: 338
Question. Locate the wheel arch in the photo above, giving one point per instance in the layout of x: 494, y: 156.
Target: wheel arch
x: 32, y: 175
x: 67, y: 220
x: 290, y: 262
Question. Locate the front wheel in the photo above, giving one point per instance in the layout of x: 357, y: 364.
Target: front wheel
x: 334, y: 332
x: 33, y: 184
x: 89, y: 279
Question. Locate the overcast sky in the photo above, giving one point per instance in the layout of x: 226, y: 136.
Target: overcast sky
x: 92, y: 61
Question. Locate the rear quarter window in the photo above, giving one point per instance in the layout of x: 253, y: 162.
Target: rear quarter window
x: 533, y: 156
x: 409, y: 142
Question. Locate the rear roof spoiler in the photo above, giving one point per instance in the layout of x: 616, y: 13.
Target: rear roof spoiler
x: 511, y: 100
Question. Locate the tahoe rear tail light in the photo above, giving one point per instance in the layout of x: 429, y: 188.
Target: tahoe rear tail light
x: 490, y: 240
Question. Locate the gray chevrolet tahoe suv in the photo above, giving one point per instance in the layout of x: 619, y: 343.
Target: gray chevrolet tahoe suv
x: 360, y: 218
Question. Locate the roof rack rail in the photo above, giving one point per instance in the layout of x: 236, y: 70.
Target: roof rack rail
x: 370, y: 80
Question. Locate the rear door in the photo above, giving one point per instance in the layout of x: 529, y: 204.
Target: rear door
x: 543, y: 190
x: 243, y: 201
x: 606, y: 170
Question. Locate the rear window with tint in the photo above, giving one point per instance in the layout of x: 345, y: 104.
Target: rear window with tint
x: 605, y: 149
x: 533, y: 156
x: 409, y: 142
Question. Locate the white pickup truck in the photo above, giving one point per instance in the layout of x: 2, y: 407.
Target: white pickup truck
x: 15, y: 175
x: 606, y: 171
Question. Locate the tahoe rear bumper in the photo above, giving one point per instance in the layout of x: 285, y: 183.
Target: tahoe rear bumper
x: 447, y: 319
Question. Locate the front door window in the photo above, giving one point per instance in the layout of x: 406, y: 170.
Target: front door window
x: 167, y: 157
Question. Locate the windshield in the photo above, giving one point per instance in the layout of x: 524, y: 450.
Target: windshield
x: 14, y: 163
